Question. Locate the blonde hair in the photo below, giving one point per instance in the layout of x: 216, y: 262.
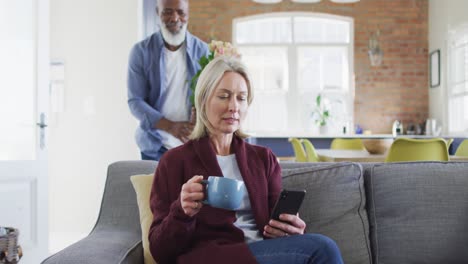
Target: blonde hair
x: 206, y: 85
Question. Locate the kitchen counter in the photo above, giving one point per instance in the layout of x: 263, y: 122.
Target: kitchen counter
x: 346, y: 136
x: 280, y: 145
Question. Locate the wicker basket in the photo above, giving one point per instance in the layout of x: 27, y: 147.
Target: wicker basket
x: 10, y: 251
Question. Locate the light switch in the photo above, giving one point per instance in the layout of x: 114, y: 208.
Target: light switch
x: 57, y: 71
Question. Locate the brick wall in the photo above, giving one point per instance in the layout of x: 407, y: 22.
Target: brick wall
x: 398, y: 89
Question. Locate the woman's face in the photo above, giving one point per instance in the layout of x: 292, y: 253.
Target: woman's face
x: 227, y: 106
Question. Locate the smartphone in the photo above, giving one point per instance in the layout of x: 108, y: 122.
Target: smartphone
x: 289, y: 202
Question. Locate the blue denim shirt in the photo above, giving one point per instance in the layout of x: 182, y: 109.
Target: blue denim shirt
x: 145, y: 82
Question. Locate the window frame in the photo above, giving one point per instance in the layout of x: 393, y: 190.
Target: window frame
x: 454, y: 36
x: 293, y: 75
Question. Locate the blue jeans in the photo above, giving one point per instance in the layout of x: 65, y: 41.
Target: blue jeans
x: 307, y: 248
x: 161, y: 151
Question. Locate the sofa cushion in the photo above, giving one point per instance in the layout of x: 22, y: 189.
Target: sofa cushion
x: 334, y: 205
x: 142, y: 185
x: 418, y: 212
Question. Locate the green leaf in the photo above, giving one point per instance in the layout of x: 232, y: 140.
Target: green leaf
x: 193, y: 83
x: 211, y: 56
x: 203, y: 62
x: 318, y: 99
x: 192, y: 99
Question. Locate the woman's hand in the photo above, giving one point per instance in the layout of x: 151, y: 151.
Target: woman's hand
x: 191, y: 195
x: 289, y: 225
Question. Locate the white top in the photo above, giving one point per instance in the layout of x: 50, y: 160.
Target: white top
x: 245, y: 219
x: 174, y: 106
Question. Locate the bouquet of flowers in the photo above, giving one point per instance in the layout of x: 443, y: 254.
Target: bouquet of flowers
x: 217, y: 48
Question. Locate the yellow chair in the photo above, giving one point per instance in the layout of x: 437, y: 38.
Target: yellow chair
x: 449, y: 142
x: 408, y: 149
x: 299, y: 151
x: 347, y: 143
x: 312, y: 155
x: 462, y: 149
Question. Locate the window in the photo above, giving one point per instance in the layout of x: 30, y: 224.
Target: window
x: 458, y: 81
x: 292, y: 58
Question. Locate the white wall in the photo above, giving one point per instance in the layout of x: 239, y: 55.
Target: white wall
x: 444, y: 15
x: 93, y: 39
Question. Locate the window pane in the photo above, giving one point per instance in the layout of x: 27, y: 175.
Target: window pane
x: 322, y: 68
x: 320, y: 30
x: 289, y: 70
x: 264, y: 30
x: 309, y: 69
x: 459, y: 88
x: 335, y: 69
x: 268, y: 67
x: 459, y: 60
x: 461, y: 40
x: 458, y: 114
x: 268, y: 113
x: 17, y: 141
x: 465, y: 63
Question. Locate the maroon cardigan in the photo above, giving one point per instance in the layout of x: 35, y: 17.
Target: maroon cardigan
x: 210, y: 236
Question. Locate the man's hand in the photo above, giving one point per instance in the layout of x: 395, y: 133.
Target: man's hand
x: 180, y: 130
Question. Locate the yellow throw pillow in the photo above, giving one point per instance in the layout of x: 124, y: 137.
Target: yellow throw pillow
x: 142, y: 185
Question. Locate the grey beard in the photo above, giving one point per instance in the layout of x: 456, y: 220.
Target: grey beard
x: 174, y: 39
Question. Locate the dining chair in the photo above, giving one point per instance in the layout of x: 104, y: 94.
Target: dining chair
x: 449, y: 142
x: 312, y: 155
x: 462, y: 149
x: 299, y: 151
x: 409, y: 149
x: 347, y: 143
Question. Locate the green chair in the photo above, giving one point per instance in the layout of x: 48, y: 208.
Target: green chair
x: 449, y: 142
x: 408, y: 149
x: 347, y: 143
x: 462, y: 149
x: 310, y: 151
x: 299, y: 151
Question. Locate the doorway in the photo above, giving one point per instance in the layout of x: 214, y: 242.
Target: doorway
x: 24, y: 80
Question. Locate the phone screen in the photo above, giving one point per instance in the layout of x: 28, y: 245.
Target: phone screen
x: 289, y: 202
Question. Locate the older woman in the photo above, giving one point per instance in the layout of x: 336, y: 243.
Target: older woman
x: 186, y: 231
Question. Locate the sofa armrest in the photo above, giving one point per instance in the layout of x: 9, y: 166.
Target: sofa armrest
x: 135, y: 255
x: 101, y: 247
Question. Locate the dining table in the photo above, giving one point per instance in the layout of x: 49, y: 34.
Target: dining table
x: 336, y: 155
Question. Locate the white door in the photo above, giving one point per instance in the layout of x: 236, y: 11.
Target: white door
x: 24, y: 81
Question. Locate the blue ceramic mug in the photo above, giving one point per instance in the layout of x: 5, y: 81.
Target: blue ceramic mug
x: 223, y: 192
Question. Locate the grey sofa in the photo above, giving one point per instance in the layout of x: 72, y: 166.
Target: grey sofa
x: 377, y: 213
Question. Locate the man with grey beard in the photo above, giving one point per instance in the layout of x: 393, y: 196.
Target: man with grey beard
x: 159, y: 73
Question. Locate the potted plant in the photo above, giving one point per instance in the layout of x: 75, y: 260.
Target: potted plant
x: 320, y: 114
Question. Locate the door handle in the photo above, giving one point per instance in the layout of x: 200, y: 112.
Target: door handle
x: 42, y: 124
